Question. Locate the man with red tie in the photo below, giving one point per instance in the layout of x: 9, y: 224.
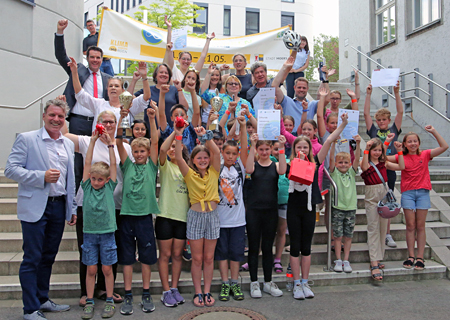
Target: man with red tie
x: 93, y: 81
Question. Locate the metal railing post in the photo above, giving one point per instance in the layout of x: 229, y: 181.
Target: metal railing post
x: 402, y: 85
x: 430, y: 90
x: 448, y: 100
x: 359, y: 58
x: 369, y: 71
x: 330, y: 203
x: 416, y: 82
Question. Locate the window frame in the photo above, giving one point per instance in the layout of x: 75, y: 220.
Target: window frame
x: 204, y: 29
x: 290, y: 15
x: 380, y: 10
x: 252, y: 11
x: 414, y: 4
x: 227, y: 31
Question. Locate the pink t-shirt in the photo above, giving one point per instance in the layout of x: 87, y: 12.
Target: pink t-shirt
x: 416, y: 174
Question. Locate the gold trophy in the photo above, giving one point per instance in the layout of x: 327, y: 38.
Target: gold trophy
x: 216, y: 104
x: 125, y: 99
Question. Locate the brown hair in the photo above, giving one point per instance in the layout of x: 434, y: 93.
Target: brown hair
x: 184, y: 52
x: 301, y: 79
x: 336, y: 92
x: 383, y: 112
x: 311, y: 122
x: 291, y: 118
x: 230, y: 143
x: 264, y: 142
x: 140, y: 142
x: 197, y: 81
x: 116, y: 78
x: 405, y: 150
x: 101, y: 168
x: 155, y: 73
x: 296, y: 141
x: 331, y: 115
x: 230, y: 123
x: 377, y: 142
x: 195, y: 151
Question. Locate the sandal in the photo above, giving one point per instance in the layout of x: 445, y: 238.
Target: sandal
x: 381, y: 265
x: 376, y: 276
x: 408, y: 264
x: 200, y: 302
x: 419, y: 265
x: 208, y: 301
x: 278, y: 267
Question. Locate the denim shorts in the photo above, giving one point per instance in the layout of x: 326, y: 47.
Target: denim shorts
x: 416, y: 199
x: 93, y: 244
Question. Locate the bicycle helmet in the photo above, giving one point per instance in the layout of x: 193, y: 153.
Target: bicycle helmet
x: 292, y: 40
x: 388, y: 207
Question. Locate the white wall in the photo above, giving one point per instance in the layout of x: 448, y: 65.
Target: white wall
x: 426, y: 50
x: 28, y: 62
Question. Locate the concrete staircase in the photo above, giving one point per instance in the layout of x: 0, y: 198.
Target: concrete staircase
x: 64, y: 281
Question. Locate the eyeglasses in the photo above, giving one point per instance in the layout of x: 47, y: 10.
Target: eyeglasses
x: 105, y: 123
x: 335, y: 99
x: 233, y: 84
x: 185, y: 59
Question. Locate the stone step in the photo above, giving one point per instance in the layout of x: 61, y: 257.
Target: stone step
x: 445, y: 196
x: 68, y: 261
x: 67, y: 285
x: 12, y: 242
x: 8, y: 190
x: 4, y: 179
x: 10, y: 223
x: 8, y: 206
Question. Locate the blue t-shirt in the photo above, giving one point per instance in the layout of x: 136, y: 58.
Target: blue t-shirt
x: 293, y: 107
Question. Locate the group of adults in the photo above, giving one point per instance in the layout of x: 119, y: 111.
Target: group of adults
x: 42, y: 161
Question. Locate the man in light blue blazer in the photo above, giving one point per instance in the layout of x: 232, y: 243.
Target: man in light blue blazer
x: 42, y: 163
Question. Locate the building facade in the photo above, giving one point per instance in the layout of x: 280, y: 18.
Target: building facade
x: 410, y: 35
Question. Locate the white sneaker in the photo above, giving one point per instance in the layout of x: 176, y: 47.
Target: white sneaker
x: 347, y: 267
x: 390, y: 242
x: 337, y: 266
x: 298, y: 292
x: 307, y: 291
x: 255, y: 290
x: 272, y: 288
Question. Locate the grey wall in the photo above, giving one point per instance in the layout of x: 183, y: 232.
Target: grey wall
x: 426, y: 50
x: 27, y: 60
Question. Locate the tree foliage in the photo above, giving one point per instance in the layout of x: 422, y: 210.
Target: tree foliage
x: 324, y: 46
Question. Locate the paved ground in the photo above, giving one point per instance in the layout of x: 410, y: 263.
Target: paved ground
x: 399, y: 300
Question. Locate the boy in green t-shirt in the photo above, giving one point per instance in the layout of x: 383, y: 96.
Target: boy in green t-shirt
x: 99, y: 225
x: 343, y: 213
x: 138, y: 205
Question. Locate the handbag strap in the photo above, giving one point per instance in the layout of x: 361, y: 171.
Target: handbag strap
x: 379, y: 174
x: 306, y: 157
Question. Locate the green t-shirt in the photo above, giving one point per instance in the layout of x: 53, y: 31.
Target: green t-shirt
x: 346, y: 187
x: 283, y: 185
x: 173, y: 197
x: 139, y: 187
x: 99, y: 211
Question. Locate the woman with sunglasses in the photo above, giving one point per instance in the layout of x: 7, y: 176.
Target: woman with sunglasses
x: 230, y: 97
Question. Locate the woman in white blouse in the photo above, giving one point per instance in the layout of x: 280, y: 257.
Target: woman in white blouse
x: 300, y: 65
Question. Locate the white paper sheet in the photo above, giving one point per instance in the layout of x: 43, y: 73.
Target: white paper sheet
x: 179, y: 38
x: 351, y: 129
x: 268, y: 124
x: 264, y: 99
x: 385, y: 77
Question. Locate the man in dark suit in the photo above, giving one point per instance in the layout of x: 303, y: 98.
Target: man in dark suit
x: 93, y: 81
x: 41, y: 162
x: 91, y: 40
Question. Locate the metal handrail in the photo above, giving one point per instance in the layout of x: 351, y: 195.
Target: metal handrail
x: 36, y: 100
x: 404, y: 73
x: 330, y: 203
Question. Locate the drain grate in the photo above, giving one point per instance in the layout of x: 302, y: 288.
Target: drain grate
x: 219, y: 313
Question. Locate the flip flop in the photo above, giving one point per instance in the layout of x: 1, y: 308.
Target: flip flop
x: 208, y: 301
x: 200, y: 302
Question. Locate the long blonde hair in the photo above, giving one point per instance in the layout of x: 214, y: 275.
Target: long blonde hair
x: 296, y: 141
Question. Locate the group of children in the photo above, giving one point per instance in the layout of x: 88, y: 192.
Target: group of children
x: 203, y: 199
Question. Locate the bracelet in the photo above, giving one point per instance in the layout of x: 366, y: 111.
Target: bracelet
x: 356, y: 84
x: 400, y: 153
x: 354, y: 100
x: 387, y: 143
x: 110, y: 146
x: 179, y: 138
x: 281, y: 151
x: 325, y: 81
x: 366, y: 151
x: 179, y: 90
x: 119, y: 137
x: 250, y: 115
x: 144, y: 79
x: 228, y: 112
x: 207, y: 136
x: 305, y: 110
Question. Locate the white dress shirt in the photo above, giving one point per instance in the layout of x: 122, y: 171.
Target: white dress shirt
x: 57, y: 155
x: 88, y: 86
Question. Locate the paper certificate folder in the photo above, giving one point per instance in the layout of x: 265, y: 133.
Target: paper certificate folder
x: 351, y: 129
x: 268, y: 124
x: 385, y: 77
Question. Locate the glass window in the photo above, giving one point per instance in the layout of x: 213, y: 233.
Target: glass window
x: 286, y: 20
x: 128, y: 4
x: 123, y: 6
x: 385, y: 21
x: 252, y: 22
x: 202, y: 20
x: 425, y: 12
x: 117, y: 5
x: 288, y: 1
x: 112, y: 4
x: 227, y: 22
x: 85, y: 18
x: 134, y: 3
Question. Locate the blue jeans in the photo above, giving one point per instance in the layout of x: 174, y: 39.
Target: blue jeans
x: 41, y: 241
x: 107, y: 67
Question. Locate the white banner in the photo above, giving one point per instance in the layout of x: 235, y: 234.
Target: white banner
x: 124, y: 38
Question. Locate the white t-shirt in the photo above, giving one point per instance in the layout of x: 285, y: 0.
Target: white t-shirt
x: 177, y: 74
x: 101, y: 153
x: 231, y: 206
x: 97, y: 106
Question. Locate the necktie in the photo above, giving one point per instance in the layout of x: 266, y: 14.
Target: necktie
x: 94, y: 74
